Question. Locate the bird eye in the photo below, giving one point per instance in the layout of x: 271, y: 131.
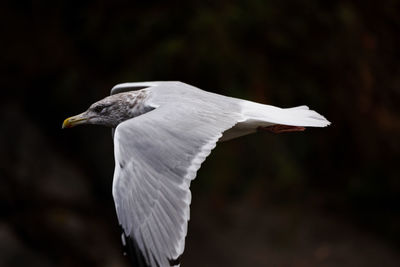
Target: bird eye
x: 98, y: 109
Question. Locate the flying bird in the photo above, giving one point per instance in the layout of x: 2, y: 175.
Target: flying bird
x: 162, y: 132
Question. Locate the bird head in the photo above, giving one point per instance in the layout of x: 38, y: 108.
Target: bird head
x: 109, y: 112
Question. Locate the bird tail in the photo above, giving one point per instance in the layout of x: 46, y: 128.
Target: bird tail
x: 267, y: 115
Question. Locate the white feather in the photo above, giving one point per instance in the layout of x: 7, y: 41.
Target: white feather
x: 296, y: 116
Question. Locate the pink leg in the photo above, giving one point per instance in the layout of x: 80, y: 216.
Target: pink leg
x: 279, y: 128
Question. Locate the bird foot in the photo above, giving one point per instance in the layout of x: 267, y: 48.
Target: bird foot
x: 279, y: 128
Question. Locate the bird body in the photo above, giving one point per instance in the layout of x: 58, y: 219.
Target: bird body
x: 163, y: 132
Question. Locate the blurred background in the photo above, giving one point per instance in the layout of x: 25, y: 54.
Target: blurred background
x: 324, y: 197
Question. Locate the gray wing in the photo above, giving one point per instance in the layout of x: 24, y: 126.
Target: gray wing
x: 156, y: 157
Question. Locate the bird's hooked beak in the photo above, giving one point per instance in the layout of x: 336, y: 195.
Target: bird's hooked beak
x: 75, y: 120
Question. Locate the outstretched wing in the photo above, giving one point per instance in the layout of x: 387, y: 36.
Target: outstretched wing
x: 156, y: 156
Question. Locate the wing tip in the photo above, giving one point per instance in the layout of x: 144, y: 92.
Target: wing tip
x: 175, y: 262
x: 129, y: 86
x: 132, y: 251
x: 136, y: 256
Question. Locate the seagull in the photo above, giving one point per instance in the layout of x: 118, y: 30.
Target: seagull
x: 162, y: 132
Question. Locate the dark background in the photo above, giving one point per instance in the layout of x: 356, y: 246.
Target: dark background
x: 324, y: 197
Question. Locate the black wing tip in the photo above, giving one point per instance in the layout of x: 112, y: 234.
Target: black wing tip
x: 175, y: 262
x: 132, y: 251
x: 136, y: 256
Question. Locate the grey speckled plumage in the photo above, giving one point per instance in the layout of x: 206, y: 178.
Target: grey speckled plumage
x: 163, y: 132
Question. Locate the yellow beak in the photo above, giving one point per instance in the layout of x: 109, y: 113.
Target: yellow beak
x: 74, y: 121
